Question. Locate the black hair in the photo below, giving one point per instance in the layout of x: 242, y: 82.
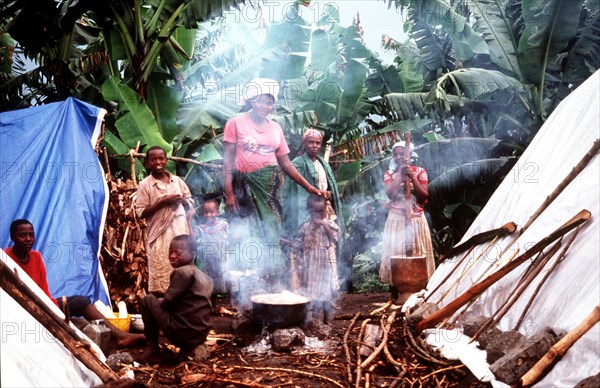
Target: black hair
x: 154, y: 148
x: 16, y: 223
x: 214, y: 201
x: 191, y: 243
x: 313, y: 199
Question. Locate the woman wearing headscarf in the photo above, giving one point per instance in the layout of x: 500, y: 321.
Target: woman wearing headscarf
x: 318, y: 173
x: 255, y: 159
x: 402, y: 237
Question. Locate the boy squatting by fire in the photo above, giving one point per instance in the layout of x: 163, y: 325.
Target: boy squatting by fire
x: 162, y: 199
x: 31, y: 261
x: 316, y: 265
x: 183, y: 314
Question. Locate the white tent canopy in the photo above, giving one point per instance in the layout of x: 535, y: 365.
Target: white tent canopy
x: 573, y: 289
x: 30, y: 355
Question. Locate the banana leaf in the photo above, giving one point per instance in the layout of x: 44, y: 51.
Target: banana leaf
x: 135, y: 121
x: 584, y: 59
x: 467, y: 43
x: 549, y: 27
x: 496, y: 29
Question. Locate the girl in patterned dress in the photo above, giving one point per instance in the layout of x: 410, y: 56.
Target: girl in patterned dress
x: 212, y: 239
x: 315, y: 242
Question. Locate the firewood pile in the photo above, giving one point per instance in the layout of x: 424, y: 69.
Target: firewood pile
x: 378, y: 349
x: 123, y: 254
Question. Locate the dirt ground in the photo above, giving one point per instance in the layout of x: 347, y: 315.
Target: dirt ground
x: 244, y: 358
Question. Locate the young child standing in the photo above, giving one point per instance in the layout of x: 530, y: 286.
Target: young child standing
x: 212, y: 235
x: 184, y: 313
x: 315, y: 242
x: 162, y: 199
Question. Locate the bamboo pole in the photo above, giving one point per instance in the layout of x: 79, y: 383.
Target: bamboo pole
x: 444, y: 280
x: 173, y: 158
x: 21, y: 293
x: 467, y: 269
x: 580, y: 166
x: 583, y: 162
x: 534, y: 270
x: 559, y: 349
x: 546, y: 276
x: 480, y: 287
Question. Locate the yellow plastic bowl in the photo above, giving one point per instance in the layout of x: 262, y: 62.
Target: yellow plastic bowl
x: 121, y: 323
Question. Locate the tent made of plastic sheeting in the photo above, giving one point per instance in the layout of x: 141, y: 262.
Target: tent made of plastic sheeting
x: 29, y: 355
x: 572, y: 290
x: 51, y: 175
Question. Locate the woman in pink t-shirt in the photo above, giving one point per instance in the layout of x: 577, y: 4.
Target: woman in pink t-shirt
x: 255, y: 155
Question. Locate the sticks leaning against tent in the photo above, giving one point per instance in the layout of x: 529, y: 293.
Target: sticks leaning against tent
x: 480, y: 287
x: 480, y: 238
x: 21, y: 293
x: 577, y: 169
x: 535, y: 267
x: 559, y: 260
x: 469, y: 245
x: 558, y: 350
x: 467, y: 269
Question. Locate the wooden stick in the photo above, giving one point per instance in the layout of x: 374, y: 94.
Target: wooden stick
x: 347, y: 350
x: 583, y: 162
x: 559, y: 349
x: 21, y: 293
x: 386, y: 328
x: 452, y: 324
x: 458, y: 263
x: 480, y: 238
x: 358, y: 345
x: 534, y: 269
x: 173, y: 158
x: 300, y: 372
x: 546, y: 276
x: 467, y: 269
x: 480, y: 287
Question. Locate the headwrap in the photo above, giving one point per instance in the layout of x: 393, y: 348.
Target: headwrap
x: 311, y: 132
x: 257, y: 87
x: 393, y: 164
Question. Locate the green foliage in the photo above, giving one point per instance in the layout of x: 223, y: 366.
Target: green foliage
x: 365, y: 272
x: 135, y: 121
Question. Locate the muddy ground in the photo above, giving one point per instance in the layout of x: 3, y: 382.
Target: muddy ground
x: 244, y: 358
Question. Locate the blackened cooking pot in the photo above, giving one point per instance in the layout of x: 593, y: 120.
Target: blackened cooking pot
x: 279, y: 310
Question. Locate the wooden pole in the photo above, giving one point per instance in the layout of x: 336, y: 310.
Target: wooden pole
x: 409, y: 237
x: 173, y: 158
x: 480, y: 287
x: 593, y: 151
x: 559, y: 349
x: 480, y: 238
x: 21, y: 293
x: 543, y: 281
x: 532, y: 272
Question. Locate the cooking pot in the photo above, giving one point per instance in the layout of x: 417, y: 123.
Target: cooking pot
x: 279, y: 310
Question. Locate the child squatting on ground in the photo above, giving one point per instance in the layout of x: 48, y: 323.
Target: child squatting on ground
x: 316, y: 265
x: 183, y: 314
x: 212, y: 238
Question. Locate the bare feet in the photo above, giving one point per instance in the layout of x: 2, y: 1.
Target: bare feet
x: 152, y: 356
x: 128, y: 340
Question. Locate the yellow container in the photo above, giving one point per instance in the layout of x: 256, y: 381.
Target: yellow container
x: 121, y: 323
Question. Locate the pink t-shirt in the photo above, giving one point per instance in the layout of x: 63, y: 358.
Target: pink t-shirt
x: 254, y: 149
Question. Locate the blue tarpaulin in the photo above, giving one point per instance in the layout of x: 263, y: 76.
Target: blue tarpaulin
x: 51, y: 175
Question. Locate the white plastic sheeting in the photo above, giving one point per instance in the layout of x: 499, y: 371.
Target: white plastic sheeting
x: 29, y: 355
x: 573, y: 289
